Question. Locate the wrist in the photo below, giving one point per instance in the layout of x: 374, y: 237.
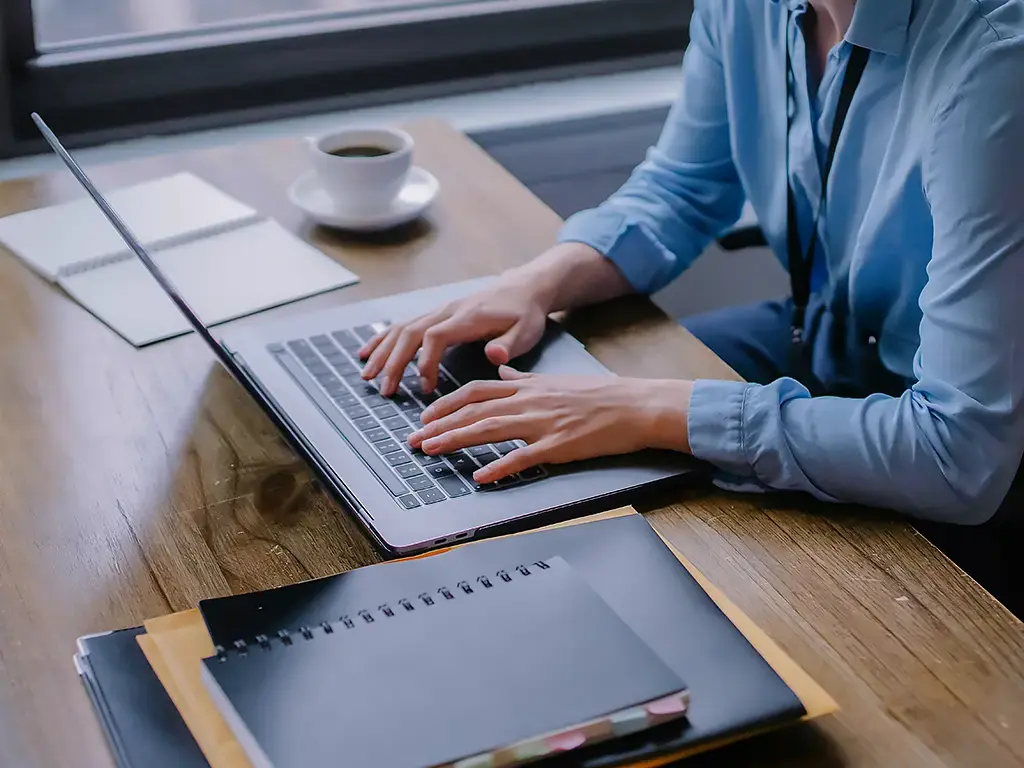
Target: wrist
x: 556, y: 276
x: 666, y: 407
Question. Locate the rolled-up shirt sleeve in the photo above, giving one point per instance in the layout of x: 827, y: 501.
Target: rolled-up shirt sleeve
x: 687, y: 191
x: 949, y: 448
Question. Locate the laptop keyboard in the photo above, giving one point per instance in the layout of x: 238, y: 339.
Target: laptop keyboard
x: 378, y: 427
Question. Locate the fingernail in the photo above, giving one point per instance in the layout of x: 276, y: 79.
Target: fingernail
x: 385, y: 384
x: 424, y: 384
x: 417, y: 435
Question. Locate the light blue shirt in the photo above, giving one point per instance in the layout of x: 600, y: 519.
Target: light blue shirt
x: 923, y: 239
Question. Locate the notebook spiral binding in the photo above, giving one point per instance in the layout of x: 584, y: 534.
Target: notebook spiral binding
x: 286, y: 638
x: 160, y: 245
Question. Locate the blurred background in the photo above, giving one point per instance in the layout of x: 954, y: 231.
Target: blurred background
x: 567, y: 94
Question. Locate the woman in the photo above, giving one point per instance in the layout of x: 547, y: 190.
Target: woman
x: 913, y: 272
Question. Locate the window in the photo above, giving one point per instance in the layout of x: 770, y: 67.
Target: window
x: 99, y: 70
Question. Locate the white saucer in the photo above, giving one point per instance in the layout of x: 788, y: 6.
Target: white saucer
x: 419, y: 192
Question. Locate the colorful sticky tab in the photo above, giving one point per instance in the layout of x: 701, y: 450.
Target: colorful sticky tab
x: 527, y: 750
x: 671, y: 705
x: 563, y: 742
x: 628, y: 721
x: 477, y: 761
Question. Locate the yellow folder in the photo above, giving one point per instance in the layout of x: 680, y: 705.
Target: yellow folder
x: 175, y: 645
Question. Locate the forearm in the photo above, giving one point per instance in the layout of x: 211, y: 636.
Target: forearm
x: 940, y: 456
x: 571, y: 275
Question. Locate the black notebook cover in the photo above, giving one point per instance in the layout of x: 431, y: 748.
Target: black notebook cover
x: 141, y: 723
x: 434, y: 678
x: 732, y: 688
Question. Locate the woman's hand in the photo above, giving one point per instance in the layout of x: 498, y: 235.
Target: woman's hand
x: 561, y: 418
x: 512, y: 314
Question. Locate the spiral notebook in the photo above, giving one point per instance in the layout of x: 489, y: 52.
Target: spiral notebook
x: 499, y: 667
x: 740, y: 681
x: 227, y: 259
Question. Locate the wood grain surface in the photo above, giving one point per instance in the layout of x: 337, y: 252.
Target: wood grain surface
x: 136, y: 482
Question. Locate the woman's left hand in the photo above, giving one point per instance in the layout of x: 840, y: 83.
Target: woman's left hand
x: 561, y: 419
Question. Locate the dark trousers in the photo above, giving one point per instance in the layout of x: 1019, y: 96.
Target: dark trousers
x: 756, y: 342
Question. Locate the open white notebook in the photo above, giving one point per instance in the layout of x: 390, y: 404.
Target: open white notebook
x: 225, y: 258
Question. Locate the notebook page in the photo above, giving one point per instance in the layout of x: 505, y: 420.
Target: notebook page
x: 53, y: 239
x: 223, y: 277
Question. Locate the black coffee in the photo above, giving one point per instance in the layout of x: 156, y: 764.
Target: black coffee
x: 360, y: 151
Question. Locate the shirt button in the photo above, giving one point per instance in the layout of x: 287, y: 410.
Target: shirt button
x: 872, y: 341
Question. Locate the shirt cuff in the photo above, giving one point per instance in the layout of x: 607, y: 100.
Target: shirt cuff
x: 715, y: 425
x: 645, y: 264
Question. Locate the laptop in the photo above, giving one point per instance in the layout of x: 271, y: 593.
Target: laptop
x: 304, y: 373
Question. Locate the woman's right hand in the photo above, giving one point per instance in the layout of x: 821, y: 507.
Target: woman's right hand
x: 512, y: 314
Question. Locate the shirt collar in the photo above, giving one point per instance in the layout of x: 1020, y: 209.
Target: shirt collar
x: 878, y: 25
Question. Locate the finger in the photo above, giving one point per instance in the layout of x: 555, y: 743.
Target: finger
x: 380, y: 353
x: 518, y: 460
x: 474, y: 392
x: 493, y: 429
x: 367, y: 349
x: 402, y: 353
x: 516, y: 341
x: 508, y: 373
x: 454, y: 330
x: 463, y: 417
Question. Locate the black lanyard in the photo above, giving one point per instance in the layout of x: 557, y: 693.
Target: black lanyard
x: 800, y: 268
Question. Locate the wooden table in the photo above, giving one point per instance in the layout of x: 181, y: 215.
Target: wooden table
x: 134, y: 483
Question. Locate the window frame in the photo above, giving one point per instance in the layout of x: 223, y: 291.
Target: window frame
x: 170, y: 83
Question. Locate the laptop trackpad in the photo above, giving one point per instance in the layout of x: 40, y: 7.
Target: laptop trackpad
x: 557, y: 352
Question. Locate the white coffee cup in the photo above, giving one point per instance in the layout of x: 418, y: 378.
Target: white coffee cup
x: 362, y: 182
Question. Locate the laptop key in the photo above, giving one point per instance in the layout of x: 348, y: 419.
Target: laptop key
x: 532, y: 473
x: 426, y: 461
x: 486, y: 458
x: 453, y: 486
x: 409, y: 501
x: 431, y: 496
x: 506, y: 447
x: 347, y: 341
x: 335, y: 388
x: 403, y: 434
x: 404, y: 401
x: 419, y: 482
x: 342, y: 366
x: 386, y: 446
x: 410, y: 472
x: 373, y: 399
x: 356, y: 412
x: 364, y: 332
x: 344, y: 399
x: 301, y: 349
x: 395, y: 422
x: 445, y: 385
x: 380, y: 468
x: 322, y: 342
x: 397, y: 457
x: 479, y: 450
x: 462, y: 463
x: 438, y: 471
x: 376, y: 434
x: 366, y: 423
x: 385, y: 411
